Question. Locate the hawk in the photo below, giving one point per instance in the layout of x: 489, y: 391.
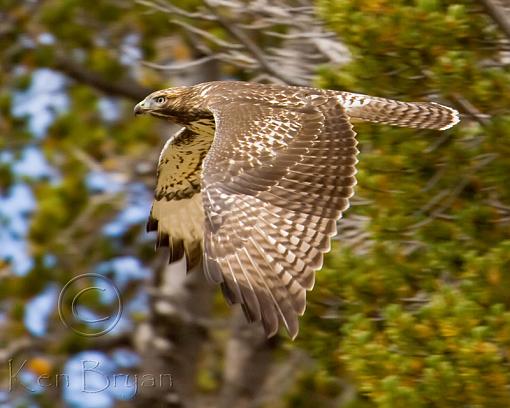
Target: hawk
x: 256, y: 180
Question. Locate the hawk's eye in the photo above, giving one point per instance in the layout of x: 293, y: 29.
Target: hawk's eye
x: 160, y: 100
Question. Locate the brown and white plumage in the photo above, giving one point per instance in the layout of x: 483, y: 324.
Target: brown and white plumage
x: 257, y: 180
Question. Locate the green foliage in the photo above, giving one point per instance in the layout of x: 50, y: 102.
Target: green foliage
x: 423, y: 310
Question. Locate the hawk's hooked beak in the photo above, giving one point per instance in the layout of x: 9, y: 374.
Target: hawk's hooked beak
x: 140, y: 108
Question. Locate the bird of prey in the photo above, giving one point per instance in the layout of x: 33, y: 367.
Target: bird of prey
x: 255, y: 181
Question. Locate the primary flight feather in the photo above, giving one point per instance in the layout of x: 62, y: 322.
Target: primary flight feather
x: 257, y: 178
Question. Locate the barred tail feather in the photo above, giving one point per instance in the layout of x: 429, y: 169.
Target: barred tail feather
x: 422, y: 115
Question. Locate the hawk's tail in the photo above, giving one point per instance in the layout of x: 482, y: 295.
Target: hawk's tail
x: 423, y: 115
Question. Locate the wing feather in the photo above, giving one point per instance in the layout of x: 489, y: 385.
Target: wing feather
x: 275, y: 181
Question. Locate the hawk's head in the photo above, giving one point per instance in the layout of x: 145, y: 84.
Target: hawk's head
x: 174, y: 104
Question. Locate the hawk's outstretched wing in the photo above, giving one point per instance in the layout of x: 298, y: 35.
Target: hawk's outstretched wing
x: 274, y: 183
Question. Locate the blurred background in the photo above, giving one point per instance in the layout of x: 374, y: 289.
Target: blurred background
x: 412, y: 308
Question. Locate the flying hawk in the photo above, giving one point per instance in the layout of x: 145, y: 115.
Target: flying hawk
x: 256, y: 180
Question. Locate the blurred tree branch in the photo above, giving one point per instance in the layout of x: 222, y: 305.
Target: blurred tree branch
x: 253, y: 42
x: 500, y: 13
x: 127, y: 88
